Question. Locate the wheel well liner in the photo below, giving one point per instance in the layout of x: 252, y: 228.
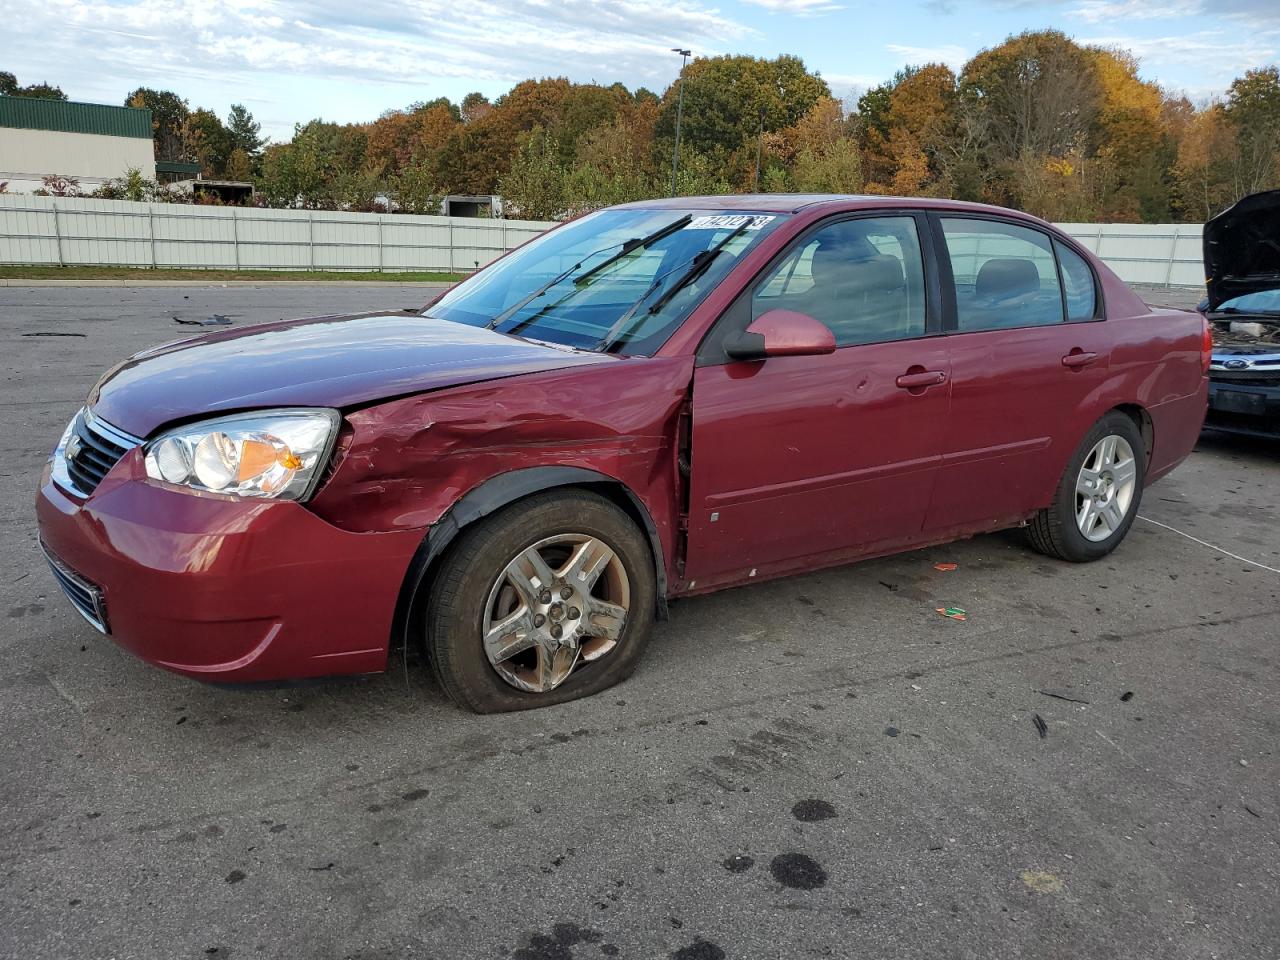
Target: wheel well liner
x: 1143, y: 421
x: 501, y: 491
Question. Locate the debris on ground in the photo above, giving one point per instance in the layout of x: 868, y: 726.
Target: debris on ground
x: 946, y: 567
x: 217, y: 320
x: 953, y: 613
x: 891, y: 731
x: 1059, y: 695
x: 1126, y: 696
x: 52, y: 333
x: 1042, y: 728
x: 891, y: 587
x: 1042, y: 882
x: 1250, y: 810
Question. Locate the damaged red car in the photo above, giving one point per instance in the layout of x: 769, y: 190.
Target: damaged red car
x: 653, y: 401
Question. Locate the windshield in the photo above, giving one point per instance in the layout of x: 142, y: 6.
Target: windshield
x: 616, y: 280
x: 1263, y: 301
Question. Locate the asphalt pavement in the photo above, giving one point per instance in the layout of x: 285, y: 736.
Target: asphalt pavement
x: 821, y: 766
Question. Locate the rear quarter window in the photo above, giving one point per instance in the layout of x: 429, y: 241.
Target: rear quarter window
x: 1078, y: 286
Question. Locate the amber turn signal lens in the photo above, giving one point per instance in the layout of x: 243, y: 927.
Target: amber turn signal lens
x: 256, y: 457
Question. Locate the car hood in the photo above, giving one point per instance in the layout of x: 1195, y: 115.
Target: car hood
x: 1242, y: 249
x: 323, y: 362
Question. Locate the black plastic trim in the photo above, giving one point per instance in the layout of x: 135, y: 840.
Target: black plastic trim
x: 711, y: 352
x: 496, y: 493
x: 948, y: 282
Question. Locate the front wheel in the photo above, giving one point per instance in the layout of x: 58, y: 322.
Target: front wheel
x: 548, y: 600
x: 1097, y: 499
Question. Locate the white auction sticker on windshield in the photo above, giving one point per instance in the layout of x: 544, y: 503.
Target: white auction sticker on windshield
x: 730, y: 222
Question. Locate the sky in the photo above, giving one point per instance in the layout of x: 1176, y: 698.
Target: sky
x: 295, y: 60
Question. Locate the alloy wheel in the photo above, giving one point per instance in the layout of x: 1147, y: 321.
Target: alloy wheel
x: 1105, y: 488
x: 557, y: 605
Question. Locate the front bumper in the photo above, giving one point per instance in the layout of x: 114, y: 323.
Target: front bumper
x: 1237, y: 406
x: 224, y: 589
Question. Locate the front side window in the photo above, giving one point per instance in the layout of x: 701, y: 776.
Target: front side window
x: 1005, y: 275
x: 863, y: 278
x: 614, y: 281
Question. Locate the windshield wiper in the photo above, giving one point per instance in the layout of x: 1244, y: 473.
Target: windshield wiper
x: 701, y: 262
x: 633, y: 244
x: 636, y: 243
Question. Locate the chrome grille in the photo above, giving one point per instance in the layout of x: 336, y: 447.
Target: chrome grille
x: 84, y: 596
x: 92, y: 450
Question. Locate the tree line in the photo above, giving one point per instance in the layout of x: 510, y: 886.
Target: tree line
x: 1039, y: 122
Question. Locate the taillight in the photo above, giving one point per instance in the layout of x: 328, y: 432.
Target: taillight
x: 1206, y: 347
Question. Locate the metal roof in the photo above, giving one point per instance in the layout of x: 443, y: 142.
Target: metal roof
x: 31, y: 113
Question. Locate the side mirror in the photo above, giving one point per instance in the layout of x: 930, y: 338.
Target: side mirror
x: 781, y: 333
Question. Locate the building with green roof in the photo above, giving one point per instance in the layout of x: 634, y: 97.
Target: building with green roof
x: 86, y: 142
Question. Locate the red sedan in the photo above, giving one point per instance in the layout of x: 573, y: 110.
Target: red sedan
x: 656, y: 400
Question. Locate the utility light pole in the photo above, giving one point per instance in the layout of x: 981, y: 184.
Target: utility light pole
x: 675, y: 153
x: 759, y: 149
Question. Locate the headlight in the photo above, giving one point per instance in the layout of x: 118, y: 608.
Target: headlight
x: 275, y: 454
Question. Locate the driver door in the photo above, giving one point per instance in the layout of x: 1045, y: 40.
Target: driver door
x: 802, y: 460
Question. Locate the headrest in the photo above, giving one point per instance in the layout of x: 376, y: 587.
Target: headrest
x: 836, y: 269
x: 1006, y: 279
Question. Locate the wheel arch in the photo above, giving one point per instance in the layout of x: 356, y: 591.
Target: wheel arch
x: 1142, y: 419
x: 501, y: 491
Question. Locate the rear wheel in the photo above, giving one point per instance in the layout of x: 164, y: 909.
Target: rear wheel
x: 548, y: 600
x: 1098, y: 497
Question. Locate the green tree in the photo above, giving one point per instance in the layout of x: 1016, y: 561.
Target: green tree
x: 208, y: 142
x: 1253, y: 109
x: 169, y: 114
x: 243, y: 132
x: 239, y: 166
x: 724, y: 98
x: 9, y: 88
x: 322, y: 168
x: 474, y: 106
x: 414, y: 189
x: 534, y: 187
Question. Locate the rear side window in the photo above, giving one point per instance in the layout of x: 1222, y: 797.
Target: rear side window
x: 1005, y: 275
x: 1077, y: 283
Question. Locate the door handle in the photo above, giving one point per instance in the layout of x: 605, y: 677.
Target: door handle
x: 925, y: 378
x: 1078, y: 358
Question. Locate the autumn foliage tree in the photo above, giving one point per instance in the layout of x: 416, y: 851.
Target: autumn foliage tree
x: 1068, y: 131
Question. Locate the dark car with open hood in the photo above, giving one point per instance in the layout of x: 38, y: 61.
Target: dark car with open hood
x: 1242, y: 264
x: 653, y: 401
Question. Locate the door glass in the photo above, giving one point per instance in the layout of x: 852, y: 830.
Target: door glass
x: 1077, y: 279
x: 863, y: 278
x: 1005, y: 275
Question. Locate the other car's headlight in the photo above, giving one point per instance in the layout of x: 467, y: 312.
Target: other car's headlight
x: 279, y: 454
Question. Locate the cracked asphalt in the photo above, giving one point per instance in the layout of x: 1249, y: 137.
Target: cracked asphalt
x: 820, y: 766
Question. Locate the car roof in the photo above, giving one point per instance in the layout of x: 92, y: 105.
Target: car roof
x: 795, y: 202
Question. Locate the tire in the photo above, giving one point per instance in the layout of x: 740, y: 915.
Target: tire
x: 488, y: 579
x: 1058, y: 530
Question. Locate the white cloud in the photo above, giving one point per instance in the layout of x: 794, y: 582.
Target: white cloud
x: 799, y: 8
x: 951, y: 54
x: 1108, y: 11
x: 1219, y: 57
x: 247, y: 49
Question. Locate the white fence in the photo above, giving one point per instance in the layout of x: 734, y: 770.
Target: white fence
x: 1159, y: 253
x: 64, y: 231
x: 56, y: 231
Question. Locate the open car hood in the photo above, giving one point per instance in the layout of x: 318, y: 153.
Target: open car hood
x: 1242, y: 249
